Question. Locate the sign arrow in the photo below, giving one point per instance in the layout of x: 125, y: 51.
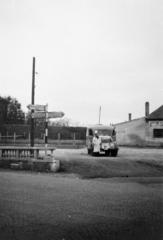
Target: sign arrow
x: 50, y: 114
x: 55, y: 114
x: 39, y: 108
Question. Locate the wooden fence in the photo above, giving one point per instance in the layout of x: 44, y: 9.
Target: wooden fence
x: 18, y: 140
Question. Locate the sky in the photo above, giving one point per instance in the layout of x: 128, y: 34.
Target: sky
x: 89, y: 53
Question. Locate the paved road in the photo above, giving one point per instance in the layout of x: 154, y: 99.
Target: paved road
x: 43, y: 206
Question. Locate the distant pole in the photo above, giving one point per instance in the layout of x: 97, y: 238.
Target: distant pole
x: 32, y: 102
x: 99, y: 115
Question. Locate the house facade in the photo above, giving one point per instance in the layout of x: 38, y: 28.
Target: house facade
x: 143, y: 132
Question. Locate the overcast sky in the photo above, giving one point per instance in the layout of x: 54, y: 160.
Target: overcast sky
x: 88, y: 53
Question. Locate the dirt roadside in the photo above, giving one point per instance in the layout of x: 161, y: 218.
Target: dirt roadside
x: 131, y: 162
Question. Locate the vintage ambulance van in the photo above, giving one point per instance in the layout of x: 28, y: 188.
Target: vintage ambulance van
x: 107, y: 135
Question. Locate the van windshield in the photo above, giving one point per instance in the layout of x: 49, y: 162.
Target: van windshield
x: 104, y: 132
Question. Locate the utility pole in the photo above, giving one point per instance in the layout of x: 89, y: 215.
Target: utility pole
x: 33, y: 102
x: 99, y: 115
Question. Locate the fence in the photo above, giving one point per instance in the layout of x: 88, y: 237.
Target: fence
x: 15, y: 135
x: 12, y: 139
x: 17, y: 140
x: 7, y: 131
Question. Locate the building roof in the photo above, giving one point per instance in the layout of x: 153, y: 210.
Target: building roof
x: 135, y: 119
x: 156, y: 115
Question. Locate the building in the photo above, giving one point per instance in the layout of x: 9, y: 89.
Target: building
x: 143, y: 132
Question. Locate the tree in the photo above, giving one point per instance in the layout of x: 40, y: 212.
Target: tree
x: 10, y: 111
x: 3, y: 110
x: 62, y: 122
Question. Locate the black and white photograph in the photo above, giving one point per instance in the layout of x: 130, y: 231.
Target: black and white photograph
x: 81, y: 120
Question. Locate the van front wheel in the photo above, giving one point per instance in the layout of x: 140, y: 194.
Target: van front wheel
x: 114, y: 152
x: 107, y: 152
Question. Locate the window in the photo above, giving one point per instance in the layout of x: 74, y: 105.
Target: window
x: 90, y: 132
x: 158, y: 133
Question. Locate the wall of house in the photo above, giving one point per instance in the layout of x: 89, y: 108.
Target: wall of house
x: 131, y: 133
x: 152, y: 140
x: 138, y: 132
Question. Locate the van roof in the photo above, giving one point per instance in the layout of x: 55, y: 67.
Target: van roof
x: 100, y: 126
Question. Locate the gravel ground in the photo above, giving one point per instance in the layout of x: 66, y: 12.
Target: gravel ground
x: 42, y: 206
x: 79, y: 203
x: 131, y: 162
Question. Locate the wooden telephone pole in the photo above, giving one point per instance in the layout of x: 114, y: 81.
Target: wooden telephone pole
x: 32, y: 102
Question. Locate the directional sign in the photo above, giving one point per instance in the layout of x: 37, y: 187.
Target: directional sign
x: 55, y: 114
x: 50, y: 114
x: 39, y: 108
x: 39, y: 114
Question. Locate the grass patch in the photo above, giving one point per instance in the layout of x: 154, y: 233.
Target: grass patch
x: 29, y: 165
x: 84, y: 169
x: 97, y: 168
x: 152, y: 164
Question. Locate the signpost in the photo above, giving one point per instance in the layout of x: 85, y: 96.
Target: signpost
x: 41, y: 112
x: 46, y: 130
x: 32, y: 102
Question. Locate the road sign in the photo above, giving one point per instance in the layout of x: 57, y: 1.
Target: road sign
x: 55, y: 114
x: 50, y: 114
x: 39, y: 108
x: 39, y: 114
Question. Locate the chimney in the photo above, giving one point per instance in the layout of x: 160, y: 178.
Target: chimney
x: 147, y: 109
x: 129, y: 116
